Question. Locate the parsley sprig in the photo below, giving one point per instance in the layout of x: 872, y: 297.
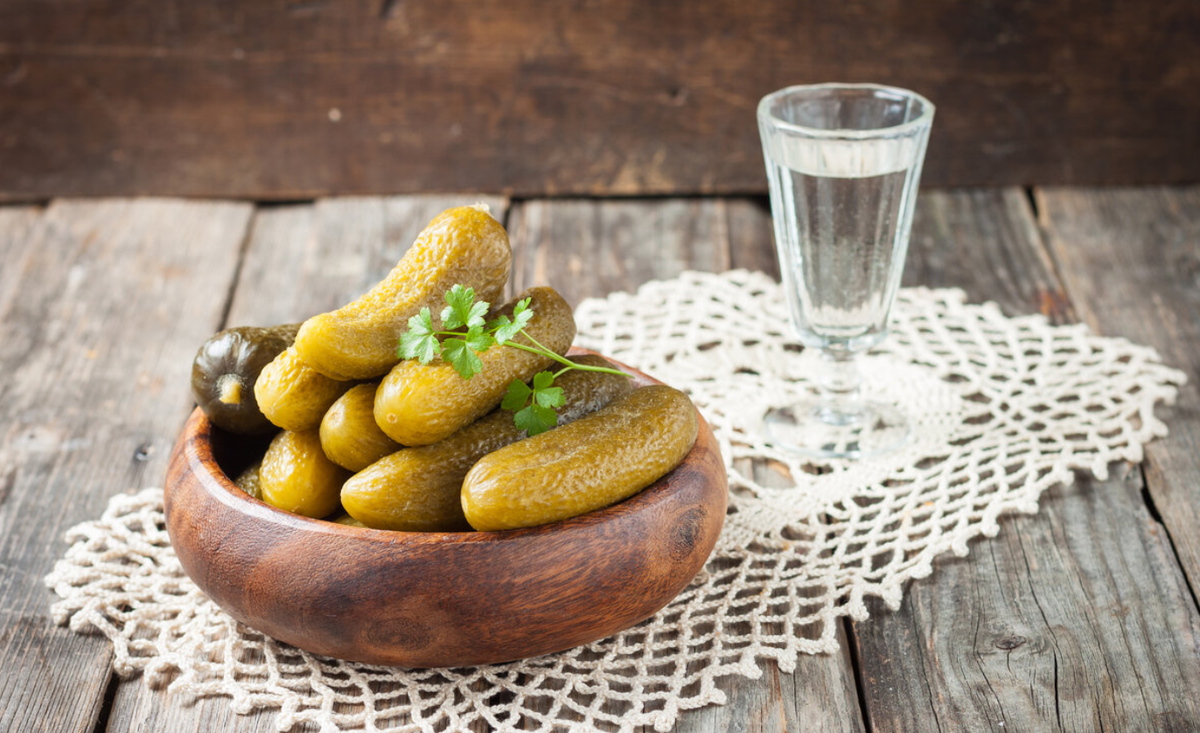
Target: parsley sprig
x: 466, y: 333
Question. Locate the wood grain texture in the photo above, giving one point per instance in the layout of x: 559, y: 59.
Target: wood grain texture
x: 1077, y: 618
x: 591, y: 248
x: 97, y: 331
x: 300, y: 259
x: 1130, y: 258
x: 587, y: 248
x: 16, y: 225
x: 286, y: 99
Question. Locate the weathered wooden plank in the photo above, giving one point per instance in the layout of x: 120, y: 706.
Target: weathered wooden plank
x: 16, y: 224
x: 751, y: 238
x: 299, y: 260
x: 1077, y: 618
x: 102, y: 310
x: 1130, y: 259
x: 298, y: 99
x: 591, y: 248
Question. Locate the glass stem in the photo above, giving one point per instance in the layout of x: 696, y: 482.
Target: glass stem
x: 840, y: 387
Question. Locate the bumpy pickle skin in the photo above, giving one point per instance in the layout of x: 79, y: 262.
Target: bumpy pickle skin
x: 349, y: 434
x: 297, y: 477
x: 592, y: 463
x: 421, y: 404
x: 417, y: 489
x: 294, y: 396
x: 250, y: 482
x: 348, y: 520
x: 464, y: 246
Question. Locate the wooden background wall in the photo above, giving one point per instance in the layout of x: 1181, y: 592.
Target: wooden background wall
x: 279, y: 99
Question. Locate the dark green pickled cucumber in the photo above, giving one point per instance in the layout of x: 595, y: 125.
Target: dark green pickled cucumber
x: 417, y: 489
x: 349, y: 435
x: 224, y: 372
x: 596, y: 461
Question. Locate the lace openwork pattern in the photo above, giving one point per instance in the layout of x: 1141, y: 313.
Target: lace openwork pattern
x: 1003, y: 408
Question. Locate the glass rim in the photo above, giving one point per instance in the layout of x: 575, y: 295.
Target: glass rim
x: 904, y: 128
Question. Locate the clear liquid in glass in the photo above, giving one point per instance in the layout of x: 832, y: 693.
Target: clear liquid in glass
x: 843, y: 240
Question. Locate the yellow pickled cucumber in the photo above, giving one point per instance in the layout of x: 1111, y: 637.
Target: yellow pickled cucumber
x: 297, y: 477
x: 417, y: 489
x: 358, y: 341
x: 596, y: 461
x: 349, y: 434
x: 420, y: 404
x: 348, y: 520
x: 293, y: 395
x: 248, y: 481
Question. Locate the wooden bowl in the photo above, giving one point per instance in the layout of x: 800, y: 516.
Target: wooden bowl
x: 437, y: 599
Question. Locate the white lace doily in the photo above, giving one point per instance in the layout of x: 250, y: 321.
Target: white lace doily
x: 1003, y: 407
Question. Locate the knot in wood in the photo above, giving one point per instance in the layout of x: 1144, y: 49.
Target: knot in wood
x: 1008, y: 643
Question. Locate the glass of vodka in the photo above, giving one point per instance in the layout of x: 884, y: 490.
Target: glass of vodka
x: 843, y: 161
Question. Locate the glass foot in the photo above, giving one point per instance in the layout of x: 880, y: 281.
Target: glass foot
x: 815, y: 429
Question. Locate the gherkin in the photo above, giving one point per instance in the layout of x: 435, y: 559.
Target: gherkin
x: 463, y: 246
x: 349, y: 435
x: 596, y: 461
x: 297, y: 477
x: 420, y: 404
x: 418, y: 489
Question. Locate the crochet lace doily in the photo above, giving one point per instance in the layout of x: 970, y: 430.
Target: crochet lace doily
x: 1003, y: 408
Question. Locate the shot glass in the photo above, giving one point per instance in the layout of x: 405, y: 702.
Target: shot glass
x: 843, y: 161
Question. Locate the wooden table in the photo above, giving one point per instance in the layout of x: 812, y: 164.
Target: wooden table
x: 1081, y: 618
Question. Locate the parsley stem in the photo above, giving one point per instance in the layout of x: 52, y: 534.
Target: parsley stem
x: 567, y: 363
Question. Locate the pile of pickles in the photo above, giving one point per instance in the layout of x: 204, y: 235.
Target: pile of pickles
x: 364, y: 438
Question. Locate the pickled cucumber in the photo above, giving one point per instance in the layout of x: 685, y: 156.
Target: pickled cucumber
x: 420, y: 404
x: 417, y: 489
x: 349, y: 435
x: 297, y: 477
x: 596, y: 461
x: 250, y: 482
x: 293, y: 395
x: 225, y: 369
x: 358, y: 341
x: 348, y: 520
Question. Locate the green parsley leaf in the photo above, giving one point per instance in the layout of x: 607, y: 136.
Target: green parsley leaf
x: 549, y: 397
x: 465, y: 333
x: 506, y: 328
x: 465, y: 361
x: 535, y: 419
x: 419, y: 341
x: 545, y: 395
x: 517, y: 396
x: 462, y: 310
x: 479, y: 340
